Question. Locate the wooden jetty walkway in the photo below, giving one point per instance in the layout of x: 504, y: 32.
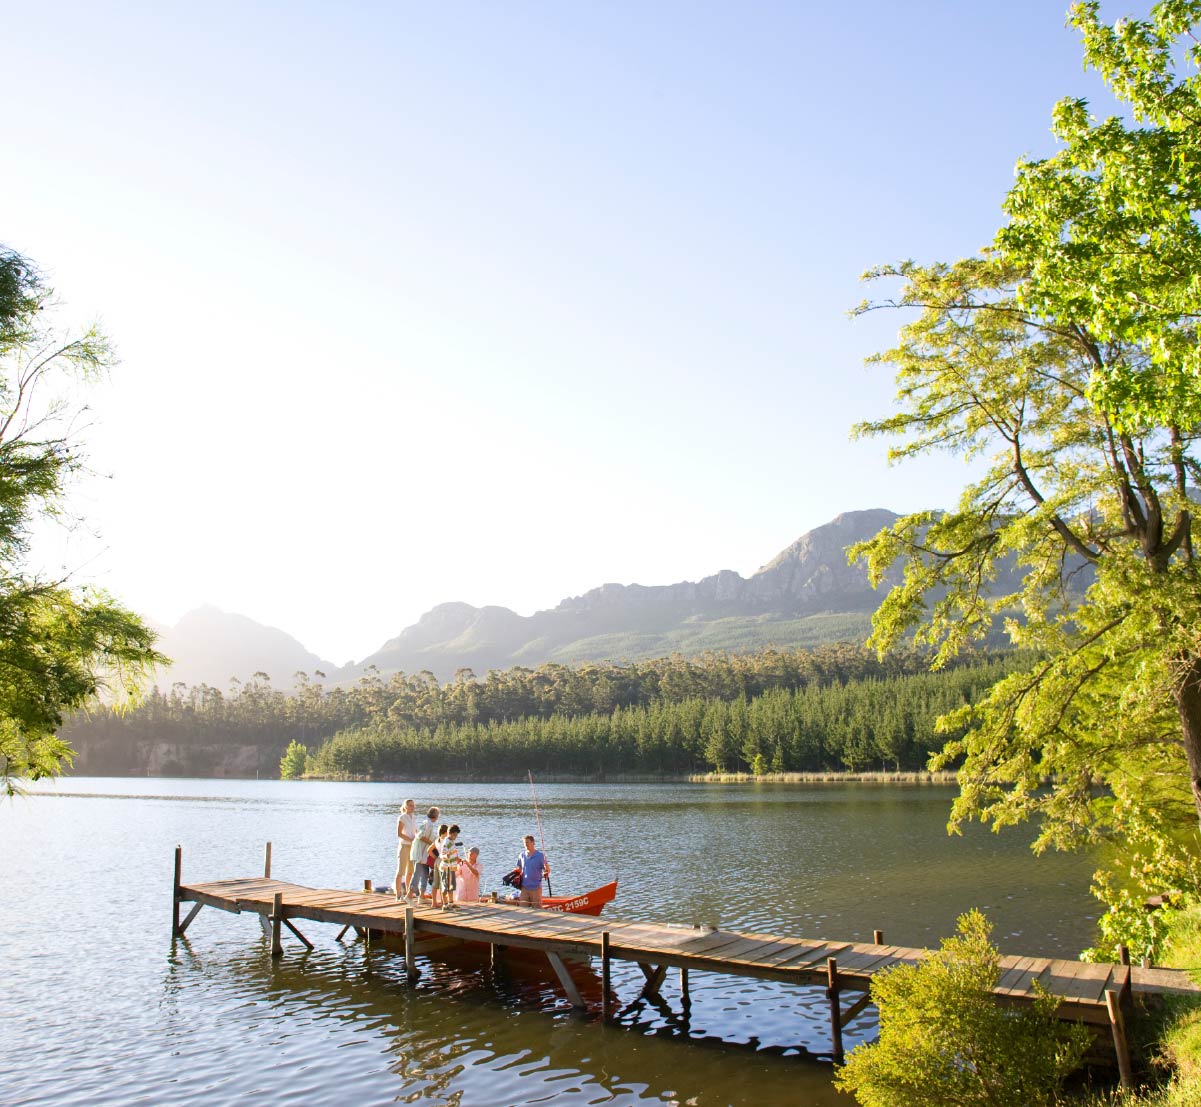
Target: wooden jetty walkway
x: 1097, y: 994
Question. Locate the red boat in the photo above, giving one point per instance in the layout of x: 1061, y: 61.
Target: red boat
x: 589, y: 903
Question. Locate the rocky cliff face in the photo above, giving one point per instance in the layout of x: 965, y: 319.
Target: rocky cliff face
x: 112, y: 756
x: 809, y: 578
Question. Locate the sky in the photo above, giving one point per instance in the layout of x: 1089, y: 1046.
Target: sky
x: 494, y: 303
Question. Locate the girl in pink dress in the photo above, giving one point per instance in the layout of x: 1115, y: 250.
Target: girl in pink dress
x: 468, y: 888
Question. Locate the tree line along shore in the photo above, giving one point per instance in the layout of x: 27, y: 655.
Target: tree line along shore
x: 831, y: 709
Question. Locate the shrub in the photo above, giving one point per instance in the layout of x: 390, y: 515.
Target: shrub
x: 945, y: 1040
x: 294, y: 762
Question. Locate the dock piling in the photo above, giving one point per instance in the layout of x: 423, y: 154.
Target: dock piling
x: 1118, y: 1028
x: 410, y: 945
x: 604, y: 952
x: 175, y: 892
x: 835, y: 1007
x: 267, y: 861
x: 277, y: 919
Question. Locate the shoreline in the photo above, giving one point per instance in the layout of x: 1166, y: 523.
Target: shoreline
x: 877, y: 777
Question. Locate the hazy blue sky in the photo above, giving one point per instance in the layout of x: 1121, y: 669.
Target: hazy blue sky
x: 495, y: 302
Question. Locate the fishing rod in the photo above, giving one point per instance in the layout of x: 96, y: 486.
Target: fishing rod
x: 538, y: 817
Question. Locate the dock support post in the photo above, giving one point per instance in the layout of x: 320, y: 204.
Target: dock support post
x: 266, y: 876
x: 183, y: 926
x: 277, y: 924
x: 410, y: 945
x: 366, y: 932
x: 654, y: 978
x: 835, y: 1008
x: 573, y: 993
x: 1118, y: 1027
x: 175, y: 931
x: 605, y: 974
x: 1124, y: 954
x: 307, y: 943
x: 684, y: 986
x: 878, y: 937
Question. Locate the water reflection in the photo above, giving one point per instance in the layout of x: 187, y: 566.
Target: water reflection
x: 443, y: 1042
x: 125, y: 1015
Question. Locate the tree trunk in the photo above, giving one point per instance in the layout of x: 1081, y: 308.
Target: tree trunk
x: 1188, y: 705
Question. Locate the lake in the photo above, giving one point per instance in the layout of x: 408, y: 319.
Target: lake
x: 100, y: 1006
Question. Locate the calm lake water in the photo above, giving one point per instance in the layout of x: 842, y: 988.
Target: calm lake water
x: 99, y: 1006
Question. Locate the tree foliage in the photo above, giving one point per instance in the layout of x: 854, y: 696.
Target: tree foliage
x: 1108, y: 227
x: 60, y: 647
x: 1078, y: 535
x: 1065, y: 363
x: 294, y: 762
x: 944, y: 1039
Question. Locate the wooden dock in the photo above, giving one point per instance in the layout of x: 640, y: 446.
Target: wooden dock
x: 1096, y: 994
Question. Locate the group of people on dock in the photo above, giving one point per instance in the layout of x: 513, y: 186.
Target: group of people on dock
x: 429, y: 858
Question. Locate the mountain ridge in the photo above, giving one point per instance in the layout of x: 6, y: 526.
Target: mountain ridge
x: 805, y: 595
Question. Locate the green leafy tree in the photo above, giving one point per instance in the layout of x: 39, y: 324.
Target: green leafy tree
x: 944, y: 1039
x: 1108, y: 227
x: 1078, y: 535
x: 294, y: 762
x: 60, y: 647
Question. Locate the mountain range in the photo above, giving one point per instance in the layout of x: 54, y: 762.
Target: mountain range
x: 805, y: 595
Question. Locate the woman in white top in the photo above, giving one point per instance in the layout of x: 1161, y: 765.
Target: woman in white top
x: 406, y: 831
x: 426, y: 834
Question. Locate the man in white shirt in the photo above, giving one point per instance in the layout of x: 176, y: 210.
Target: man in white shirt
x: 406, y: 831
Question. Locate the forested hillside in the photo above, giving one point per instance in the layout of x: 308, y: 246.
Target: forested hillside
x: 830, y: 708
x: 869, y: 723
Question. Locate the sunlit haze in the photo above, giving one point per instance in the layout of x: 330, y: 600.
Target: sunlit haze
x: 495, y: 303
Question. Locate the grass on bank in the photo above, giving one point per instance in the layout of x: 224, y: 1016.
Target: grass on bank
x: 1177, y: 1046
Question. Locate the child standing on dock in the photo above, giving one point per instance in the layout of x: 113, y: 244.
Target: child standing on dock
x: 448, y: 866
x: 432, y: 862
x: 469, y: 877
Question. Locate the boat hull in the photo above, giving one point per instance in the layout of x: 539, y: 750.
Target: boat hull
x: 587, y: 903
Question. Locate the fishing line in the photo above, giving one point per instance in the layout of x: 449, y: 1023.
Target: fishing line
x: 538, y: 818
